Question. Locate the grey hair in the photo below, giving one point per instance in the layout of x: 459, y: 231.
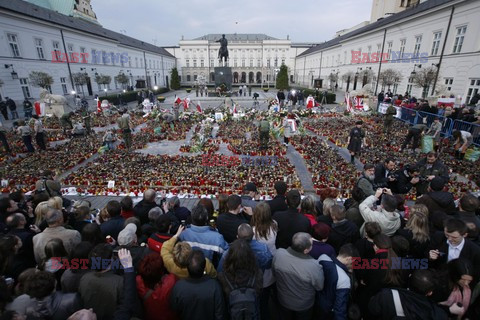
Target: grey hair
x: 301, y: 241
x: 327, y: 205
x: 245, y: 232
x: 154, y: 213
x: 53, y: 216
x: 174, y: 202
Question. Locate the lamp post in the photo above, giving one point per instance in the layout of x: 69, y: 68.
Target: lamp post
x: 14, y: 74
x: 310, y: 73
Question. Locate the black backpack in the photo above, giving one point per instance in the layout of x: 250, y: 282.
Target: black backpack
x: 243, y: 301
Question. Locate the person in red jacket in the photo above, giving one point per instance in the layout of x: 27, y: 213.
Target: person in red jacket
x: 154, y: 286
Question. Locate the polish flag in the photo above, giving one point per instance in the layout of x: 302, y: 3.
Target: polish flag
x: 178, y: 100
x: 99, y: 106
x: 347, y: 101
x: 234, y: 108
x: 310, y: 102
x: 186, y: 103
x: 199, y: 107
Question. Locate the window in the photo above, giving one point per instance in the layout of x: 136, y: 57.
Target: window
x: 457, y: 47
x: 283, y: 61
x: 141, y: 62
x: 275, y: 62
x: 436, y: 43
x: 243, y: 63
x: 202, y: 63
x: 70, y: 50
x: 418, y: 43
x: 39, y: 47
x: 13, y: 43
x: 403, y: 43
x: 448, y: 83
x: 82, y: 50
x: 63, y: 81
x: 129, y: 62
x: 235, y: 64
x: 187, y: 63
x: 212, y: 63
x: 268, y: 63
x: 473, y: 89
x: 136, y: 62
x: 251, y: 63
x: 25, y: 88
x: 194, y: 63
x: 49, y: 89
x: 389, y: 49
x: 188, y: 78
x: 259, y: 63
x: 195, y: 77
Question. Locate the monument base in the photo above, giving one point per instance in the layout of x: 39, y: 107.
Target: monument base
x: 223, y: 75
x: 56, y: 109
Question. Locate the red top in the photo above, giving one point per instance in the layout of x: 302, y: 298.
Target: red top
x: 127, y: 214
x: 157, y: 305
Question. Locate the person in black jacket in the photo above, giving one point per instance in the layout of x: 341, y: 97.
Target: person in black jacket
x: 431, y: 167
x: 383, y: 174
x: 228, y: 223
x: 113, y: 226
x: 290, y: 221
x: 281, y: 97
x: 142, y: 208
x: 279, y: 202
x: 414, y: 302
x: 199, y: 296
x: 13, y: 107
x: 406, y: 179
x: 436, y: 199
x: 343, y: 231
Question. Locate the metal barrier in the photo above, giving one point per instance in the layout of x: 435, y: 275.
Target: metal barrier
x: 473, y: 128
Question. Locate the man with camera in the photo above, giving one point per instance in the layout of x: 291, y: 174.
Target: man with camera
x: 384, y: 174
x: 406, y: 178
x: 430, y: 167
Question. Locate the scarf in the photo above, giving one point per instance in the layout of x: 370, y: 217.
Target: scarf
x: 456, y: 296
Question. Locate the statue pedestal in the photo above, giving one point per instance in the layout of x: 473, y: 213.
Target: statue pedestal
x: 223, y: 75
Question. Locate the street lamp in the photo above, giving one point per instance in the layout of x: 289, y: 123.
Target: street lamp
x: 155, y: 88
x: 414, y: 66
x: 14, y: 74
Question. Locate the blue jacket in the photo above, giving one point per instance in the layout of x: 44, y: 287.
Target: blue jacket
x: 112, y: 227
x: 333, y: 299
x: 207, y: 239
x: 262, y: 254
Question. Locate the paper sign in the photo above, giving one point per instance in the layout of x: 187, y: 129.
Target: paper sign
x: 111, y: 184
x: 4, y: 183
x: 218, y: 116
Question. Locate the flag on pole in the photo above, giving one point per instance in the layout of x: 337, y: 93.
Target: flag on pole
x: 178, y: 100
x: 99, y: 105
x: 199, y: 107
x: 347, y: 101
x: 234, y: 108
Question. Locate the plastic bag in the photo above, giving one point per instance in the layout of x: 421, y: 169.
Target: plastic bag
x: 102, y: 149
x: 427, y: 144
x: 472, y: 154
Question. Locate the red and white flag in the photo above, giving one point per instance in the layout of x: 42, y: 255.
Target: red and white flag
x: 347, y: 101
x: 234, y: 108
x: 310, y: 102
x: 199, y: 107
x: 178, y: 100
x: 186, y: 104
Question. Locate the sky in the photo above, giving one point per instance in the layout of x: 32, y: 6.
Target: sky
x: 163, y: 22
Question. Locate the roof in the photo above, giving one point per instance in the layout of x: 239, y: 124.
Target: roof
x: 37, y: 12
x: 236, y: 37
x: 424, y: 6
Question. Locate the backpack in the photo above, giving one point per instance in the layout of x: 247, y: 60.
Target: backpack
x: 156, y: 240
x: 243, y: 301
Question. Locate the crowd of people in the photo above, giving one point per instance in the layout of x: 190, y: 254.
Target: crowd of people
x: 292, y: 257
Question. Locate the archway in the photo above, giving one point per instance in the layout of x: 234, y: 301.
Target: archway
x: 251, y: 77
x: 259, y: 77
x: 235, y: 77
x: 212, y: 76
x: 244, y: 77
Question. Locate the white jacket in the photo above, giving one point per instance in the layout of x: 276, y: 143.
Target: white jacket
x: 389, y: 221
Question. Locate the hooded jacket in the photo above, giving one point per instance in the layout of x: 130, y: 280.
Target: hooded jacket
x: 389, y: 221
x: 438, y: 201
x: 343, y: 232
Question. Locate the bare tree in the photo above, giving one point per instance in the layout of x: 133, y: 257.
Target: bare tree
x: 424, y: 79
x: 347, y: 77
x: 80, y: 79
x: 40, y: 79
x: 103, y: 79
x: 122, y: 79
x: 389, y: 77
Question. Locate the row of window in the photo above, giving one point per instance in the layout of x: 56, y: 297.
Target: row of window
x: 97, y: 57
x: 235, y: 63
x: 434, y: 51
x: 238, y: 50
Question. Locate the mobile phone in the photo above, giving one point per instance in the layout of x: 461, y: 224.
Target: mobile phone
x: 441, y: 254
x: 183, y: 223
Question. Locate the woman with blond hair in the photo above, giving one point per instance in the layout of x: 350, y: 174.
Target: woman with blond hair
x: 265, y: 230
x: 417, y: 231
x: 40, y: 212
x: 307, y: 208
x: 328, y: 203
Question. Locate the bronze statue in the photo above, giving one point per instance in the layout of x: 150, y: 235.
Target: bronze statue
x: 223, y: 51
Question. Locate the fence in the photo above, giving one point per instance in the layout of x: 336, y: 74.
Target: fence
x: 412, y: 117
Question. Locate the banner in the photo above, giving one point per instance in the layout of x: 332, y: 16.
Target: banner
x: 446, y: 102
x: 382, y: 108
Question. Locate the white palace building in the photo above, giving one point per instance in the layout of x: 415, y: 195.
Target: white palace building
x: 443, y: 34
x: 36, y: 36
x: 440, y: 34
